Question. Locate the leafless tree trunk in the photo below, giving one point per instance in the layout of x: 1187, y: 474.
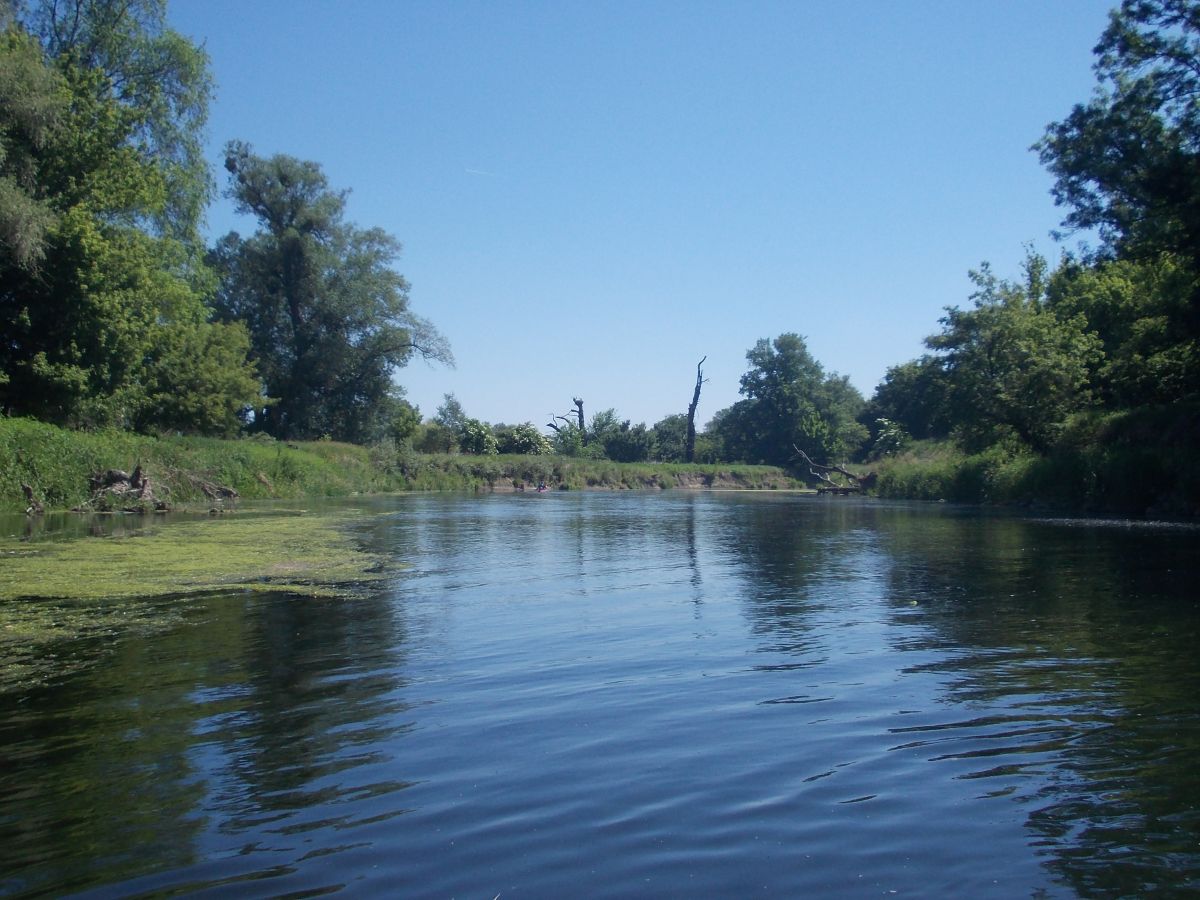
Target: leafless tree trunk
x: 567, y: 421
x: 579, y: 412
x: 690, y: 450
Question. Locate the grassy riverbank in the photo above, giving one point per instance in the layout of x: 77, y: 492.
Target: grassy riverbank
x: 58, y: 464
x: 1141, y: 462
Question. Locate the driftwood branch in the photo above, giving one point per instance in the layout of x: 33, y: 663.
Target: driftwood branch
x: 116, y: 490
x: 822, y: 474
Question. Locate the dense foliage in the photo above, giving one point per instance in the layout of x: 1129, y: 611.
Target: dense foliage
x: 110, y: 315
x: 328, y: 315
x: 1059, y: 372
x: 790, y: 404
x: 101, y: 188
x: 1126, y: 162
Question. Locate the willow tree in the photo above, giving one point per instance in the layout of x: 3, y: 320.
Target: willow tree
x: 328, y: 315
x: 159, y: 80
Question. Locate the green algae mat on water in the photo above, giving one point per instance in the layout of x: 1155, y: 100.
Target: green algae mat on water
x: 52, y: 591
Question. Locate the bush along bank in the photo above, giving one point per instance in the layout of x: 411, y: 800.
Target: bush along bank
x: 425, y: 472
x: 1135, y: 463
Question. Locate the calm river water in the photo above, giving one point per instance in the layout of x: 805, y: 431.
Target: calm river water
x: 616, y: 695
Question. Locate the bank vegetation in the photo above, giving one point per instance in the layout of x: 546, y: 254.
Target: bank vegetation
x: 59, y: 465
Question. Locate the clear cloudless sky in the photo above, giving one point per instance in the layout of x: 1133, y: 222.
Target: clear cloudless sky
x: 594, y: 195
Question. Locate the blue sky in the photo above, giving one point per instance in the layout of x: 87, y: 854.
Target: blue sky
x: 594, y: 195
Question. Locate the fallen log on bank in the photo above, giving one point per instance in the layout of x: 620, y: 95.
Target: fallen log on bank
x: 858, y: 483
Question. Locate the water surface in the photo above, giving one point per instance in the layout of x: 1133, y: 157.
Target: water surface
x: 620, y: 695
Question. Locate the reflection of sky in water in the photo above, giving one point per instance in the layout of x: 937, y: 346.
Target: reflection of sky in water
x: 643, y: 694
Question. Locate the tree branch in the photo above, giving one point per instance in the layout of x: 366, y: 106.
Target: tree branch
x: 822, y: 472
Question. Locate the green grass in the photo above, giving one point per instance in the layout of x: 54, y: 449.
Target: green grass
x: 58, y: 465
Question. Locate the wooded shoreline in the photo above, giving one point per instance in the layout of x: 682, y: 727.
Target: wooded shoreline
x: 1135, y: 465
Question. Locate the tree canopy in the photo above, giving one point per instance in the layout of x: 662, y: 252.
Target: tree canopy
x: 1012, y: 364
x: 158, y: 78
x: 328, y: 314
x: 101, y: 298
x: 790, y: 403
x: 1127, y: 162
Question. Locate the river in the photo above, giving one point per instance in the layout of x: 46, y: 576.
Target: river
x: 616, y: 695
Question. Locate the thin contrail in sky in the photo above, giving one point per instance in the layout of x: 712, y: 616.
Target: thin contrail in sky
x: 478, y: 172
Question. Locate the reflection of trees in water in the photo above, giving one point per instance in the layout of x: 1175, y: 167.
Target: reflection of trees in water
x: 94, y: 778
x: 108, y: 776
x: 797, y: 557
x: 603, y: 542
x: 1067, y: 654
x: 320, y: 678
x: 1079, y: 644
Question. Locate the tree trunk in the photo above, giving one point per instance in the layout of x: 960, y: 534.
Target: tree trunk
x: 690, y: 449
x: 579, y: 412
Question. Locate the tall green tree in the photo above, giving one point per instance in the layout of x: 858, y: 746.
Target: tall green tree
x: 159, y: 79
x: 1136, y: 307
x: 33, y: 106
x: 790, y: 402
x: 328, y: 315
x: 916, y: 396
x: 671, y: 438
x: 92, y: 281
x: 1127, y: 162
x: 619, y: 440
x: 1013, y: 366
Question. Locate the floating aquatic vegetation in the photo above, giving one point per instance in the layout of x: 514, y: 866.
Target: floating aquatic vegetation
x: 296, y: 553
x: 52, y: 591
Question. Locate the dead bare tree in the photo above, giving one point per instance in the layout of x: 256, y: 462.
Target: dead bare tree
x: 690, y: 449
x: 579, y: 412
x: 566, y: 419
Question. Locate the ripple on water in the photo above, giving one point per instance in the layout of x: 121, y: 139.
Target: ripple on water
x: 642, y: 696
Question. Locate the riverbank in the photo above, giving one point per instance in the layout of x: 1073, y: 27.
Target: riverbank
x: 1136, y: 463
x: 58, y: 465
